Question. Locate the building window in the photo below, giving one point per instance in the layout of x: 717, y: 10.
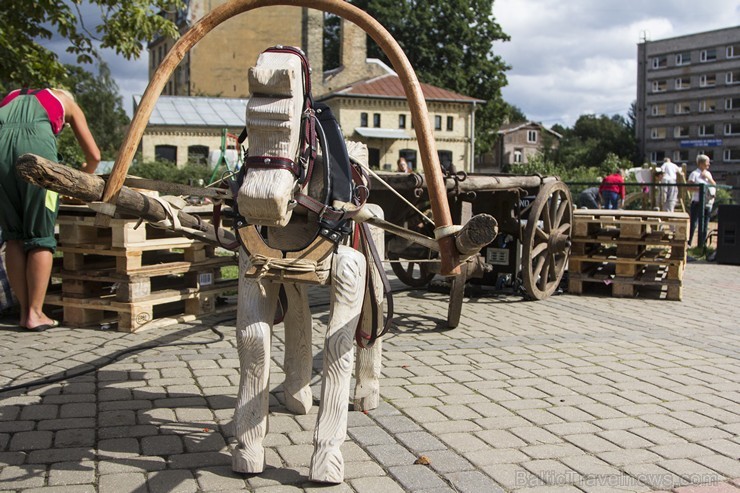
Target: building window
x: 410, y: 156
x: 732, y: 103
x: 450, y: 123
x: 681, y: 131
x: 659, y: 86
x: 707, y: 152
x: 683, y: 83
x: 657, y: 156
x: 708, y: 80
x: 707, y: 105
x: 532, y: 136
x: 732, y: 77
x: 682, y: 108
x: 376, y: 120
x: 437, y: 122
x: 708, y: 55
x: 660, y: 62
x: 401, y: 121
x: 732, y: 128
x: 363, y: 119
x: 198, y: 154
x: 445, y: 161
x: 679, y: 156
x: 733, y: 51
x: 706, y: 130
x: 731, y: 154
x: 683, y: 58
x: 373, y: 157
x: 165, y: 153
x: 658, y: 110
x: 657, y: 133
x: 518, y: 156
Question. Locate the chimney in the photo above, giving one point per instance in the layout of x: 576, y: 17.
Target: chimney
x: 353, y: 49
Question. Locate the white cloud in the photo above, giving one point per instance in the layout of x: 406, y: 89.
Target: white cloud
x: 578, y: 57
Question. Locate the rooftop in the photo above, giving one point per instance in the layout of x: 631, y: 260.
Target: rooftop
x: 197, y: 111
x: 389, y: 86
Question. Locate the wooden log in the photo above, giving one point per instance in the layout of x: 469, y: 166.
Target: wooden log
x: 89, y: 188
x: 477, y: 233
x: 492, y: 183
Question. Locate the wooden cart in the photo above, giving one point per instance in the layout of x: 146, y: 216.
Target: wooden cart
x: 533, y: 218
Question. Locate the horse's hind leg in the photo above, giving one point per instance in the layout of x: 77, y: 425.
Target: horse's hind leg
x: 254, y: 321
x: 298, y: 352
x: 348, y: 282
x: 369, y: 360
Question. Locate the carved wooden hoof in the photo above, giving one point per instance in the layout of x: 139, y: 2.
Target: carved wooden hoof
x: 248, y: 462
x: 299, y: 402
x: 327, y: 467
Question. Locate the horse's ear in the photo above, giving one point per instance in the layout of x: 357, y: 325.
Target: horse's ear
x: 274, y: 115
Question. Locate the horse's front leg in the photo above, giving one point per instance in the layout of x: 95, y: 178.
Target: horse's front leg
x: 348, y: 283
x: 255, y: 314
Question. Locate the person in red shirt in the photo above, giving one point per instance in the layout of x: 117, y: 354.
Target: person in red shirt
x: 612, y: 190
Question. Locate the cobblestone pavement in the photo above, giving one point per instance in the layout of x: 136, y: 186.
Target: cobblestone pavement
x: 570, y: 394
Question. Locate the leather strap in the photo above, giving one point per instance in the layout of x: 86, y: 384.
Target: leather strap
x: 368, y: 246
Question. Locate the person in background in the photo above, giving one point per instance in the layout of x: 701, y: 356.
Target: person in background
x: 402, y: 166
x: 30, y: 121
x: 612, y: 190
x: 669, y: 193
x: 701, y: 176
x: 589, y: 199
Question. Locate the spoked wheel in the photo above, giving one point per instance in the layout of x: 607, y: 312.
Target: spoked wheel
x: 547, y: 239
x: 409, y: 261
x: 412, y: 273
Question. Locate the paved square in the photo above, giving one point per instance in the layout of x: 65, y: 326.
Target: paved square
x: 569, y: 394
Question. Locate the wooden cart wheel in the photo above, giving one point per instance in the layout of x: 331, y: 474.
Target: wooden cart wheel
x: 457, y: 292
x: 546, y: 240
x: 413, y: 274
x: 406, y: 261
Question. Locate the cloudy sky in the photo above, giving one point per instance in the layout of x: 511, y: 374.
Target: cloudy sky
x: 574, y: 57
x: 568, y: 57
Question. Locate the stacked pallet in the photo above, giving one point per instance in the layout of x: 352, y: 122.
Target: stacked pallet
x: 133, y: 275
x: 632, y: 252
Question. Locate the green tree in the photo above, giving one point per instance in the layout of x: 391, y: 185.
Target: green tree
x: 450, y: 45
x: 99, y: 98
x: 125, y: 26
x: 593, y: 138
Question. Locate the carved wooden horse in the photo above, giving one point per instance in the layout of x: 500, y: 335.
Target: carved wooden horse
x: 295, y: 248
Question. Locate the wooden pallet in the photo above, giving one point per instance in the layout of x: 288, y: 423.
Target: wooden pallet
x: 132, y: 275
x: 628, y: 251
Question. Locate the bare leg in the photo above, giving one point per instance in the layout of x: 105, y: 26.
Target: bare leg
x: 15, y: 265
x: 347, y: 283
x: 38, y: 273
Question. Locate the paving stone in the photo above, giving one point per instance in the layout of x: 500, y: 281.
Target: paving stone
x: 122, y: 483
x: 472, y: 482
x: 31, y: 440
x: 72, y: 473
x: 420, y: 442
x: 172, y: 481
x: 376, y: 484
x: 416, y: 477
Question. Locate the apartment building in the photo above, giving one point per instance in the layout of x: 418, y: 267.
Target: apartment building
x: 688, y: 100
